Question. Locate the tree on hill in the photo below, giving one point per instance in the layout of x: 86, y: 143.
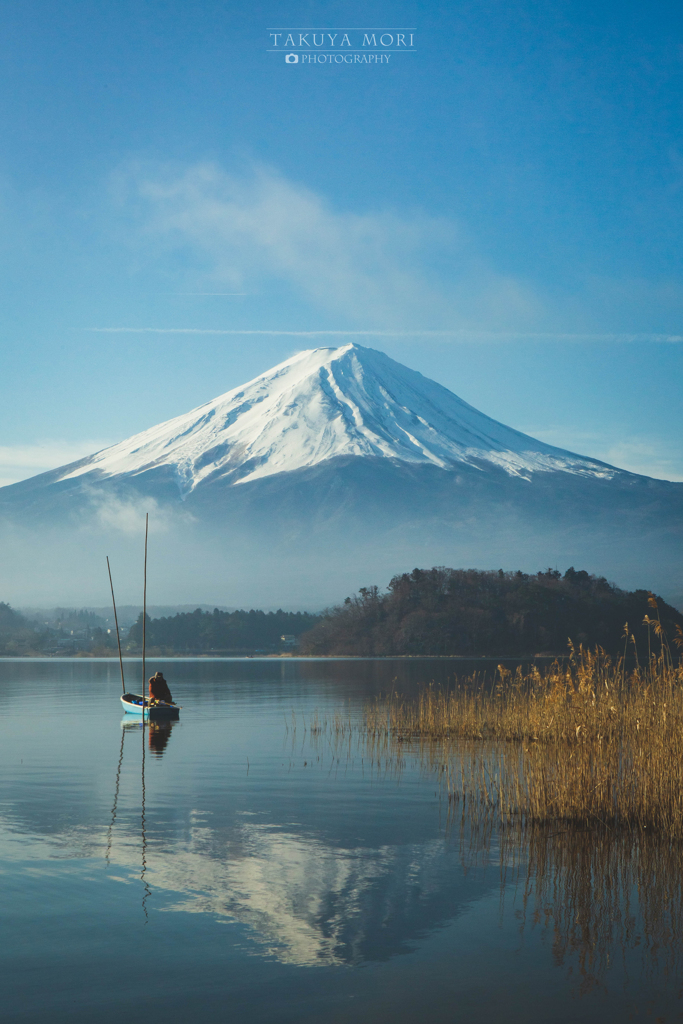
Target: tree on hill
x: 469, y: 612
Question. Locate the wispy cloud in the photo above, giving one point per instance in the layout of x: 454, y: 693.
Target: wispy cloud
x: 457, y: 335
x: 18, y: 462
x: 648, y: 456
x: 128, y: 515
x: 383, y: 269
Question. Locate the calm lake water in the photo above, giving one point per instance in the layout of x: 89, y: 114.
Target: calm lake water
x: 275, y: 874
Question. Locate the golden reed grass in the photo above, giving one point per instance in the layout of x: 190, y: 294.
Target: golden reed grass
x: 586, y: 743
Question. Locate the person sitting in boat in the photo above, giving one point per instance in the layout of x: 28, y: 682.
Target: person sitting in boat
x: 158, y: 689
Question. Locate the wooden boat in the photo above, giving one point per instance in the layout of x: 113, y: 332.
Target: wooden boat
x: 133, y: 705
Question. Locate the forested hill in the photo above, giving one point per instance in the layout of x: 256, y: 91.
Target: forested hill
x: 468, y: 612
x: 220, y: 632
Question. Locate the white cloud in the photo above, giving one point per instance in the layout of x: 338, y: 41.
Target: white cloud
x: 20, y: 461
x: 378, y: 268
x: 127, y: 515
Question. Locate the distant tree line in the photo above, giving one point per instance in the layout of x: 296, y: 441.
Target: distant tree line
x: 81, y: 632
x: 200, y: 632
x: 68, y: 632
x: 71, y: 631
x: 443, y: 611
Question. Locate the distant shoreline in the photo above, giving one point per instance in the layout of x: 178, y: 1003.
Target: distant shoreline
x: 290, y: 657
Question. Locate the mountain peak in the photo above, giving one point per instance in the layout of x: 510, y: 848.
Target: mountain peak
x: 324, y: 403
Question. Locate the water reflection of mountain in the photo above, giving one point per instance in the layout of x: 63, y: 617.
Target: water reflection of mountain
x: 309, y: 903
x: 601, y: 900
x: 305, y: 902
x: 341, y: 886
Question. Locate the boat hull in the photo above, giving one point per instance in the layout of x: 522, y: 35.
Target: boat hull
x: 133, y: 705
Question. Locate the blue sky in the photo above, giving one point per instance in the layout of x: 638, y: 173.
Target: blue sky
x: 501, y: 210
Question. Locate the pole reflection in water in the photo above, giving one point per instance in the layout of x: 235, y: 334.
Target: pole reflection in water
x: 158, y: 735
x: 116, y: 799
x: 147, y: 892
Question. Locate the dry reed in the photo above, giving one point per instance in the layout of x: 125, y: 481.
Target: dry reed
x: 587, y: 743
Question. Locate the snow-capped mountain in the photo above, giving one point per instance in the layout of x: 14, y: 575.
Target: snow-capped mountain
x: 323, y: 404
x: 338, y: 468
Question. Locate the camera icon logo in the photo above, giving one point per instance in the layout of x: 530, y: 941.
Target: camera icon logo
x: 292, y: 58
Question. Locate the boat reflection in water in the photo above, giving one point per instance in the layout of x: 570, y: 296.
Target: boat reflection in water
x: 159, y: 735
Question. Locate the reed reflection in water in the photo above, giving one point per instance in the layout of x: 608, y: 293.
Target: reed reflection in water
x: 605, y: 898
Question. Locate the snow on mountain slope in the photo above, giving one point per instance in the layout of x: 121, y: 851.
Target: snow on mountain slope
x: 321, y: 404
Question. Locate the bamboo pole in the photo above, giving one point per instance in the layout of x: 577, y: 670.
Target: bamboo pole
x: 116, y: 620
x: 144, y: 642
x: 144, y: 622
